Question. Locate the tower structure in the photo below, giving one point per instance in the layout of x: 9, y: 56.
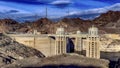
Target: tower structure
x: 46, y: 10
x: 78, y: 41
x: 60, y: 42
x: 93, y: 47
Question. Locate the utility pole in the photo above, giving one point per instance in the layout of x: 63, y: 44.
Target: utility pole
x: 34, y: 31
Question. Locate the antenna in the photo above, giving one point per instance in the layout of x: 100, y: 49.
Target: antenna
x: 46, y: 12
x: 68, y: 11
x: 36, y: 16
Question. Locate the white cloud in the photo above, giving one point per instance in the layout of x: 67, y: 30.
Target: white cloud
x: 61, y: 2
x: 5, y: 9
x: 10, y: 12
x: 115, y: 7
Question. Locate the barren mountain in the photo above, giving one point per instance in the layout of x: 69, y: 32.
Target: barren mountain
x: 106, y: 18
x: 107, y: 23
x: 43, y: 25
x: 7, y: 25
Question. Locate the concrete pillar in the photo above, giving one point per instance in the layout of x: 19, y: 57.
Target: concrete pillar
x: 78, y: 44
x: 60, y: 44
x: 92, y: 49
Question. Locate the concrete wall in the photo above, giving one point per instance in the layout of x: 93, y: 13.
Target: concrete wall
x: 44, y: 44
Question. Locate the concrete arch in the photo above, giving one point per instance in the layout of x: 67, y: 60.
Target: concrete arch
x: 70, y: 46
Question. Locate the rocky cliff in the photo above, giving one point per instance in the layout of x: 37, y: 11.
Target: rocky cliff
x: 10, y: 51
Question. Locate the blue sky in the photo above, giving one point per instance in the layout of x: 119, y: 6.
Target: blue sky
x: 56, y: 8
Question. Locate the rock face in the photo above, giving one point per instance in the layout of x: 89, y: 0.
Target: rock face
x: 10, y: 25
x: 7, y: 25
x: 110, y: 16
x: 109, y: 22
x: 43, y: 25
x: 74, y: 24
x: 65, y: 61
x: 11, y: 51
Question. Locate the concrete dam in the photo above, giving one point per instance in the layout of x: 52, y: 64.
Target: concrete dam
x: 62, y: 43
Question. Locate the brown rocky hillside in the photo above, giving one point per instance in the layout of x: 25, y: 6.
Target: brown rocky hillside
x: 107, y: 23
x: 60, y: 61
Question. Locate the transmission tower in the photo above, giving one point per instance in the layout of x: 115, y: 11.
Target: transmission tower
x: 46, y: 12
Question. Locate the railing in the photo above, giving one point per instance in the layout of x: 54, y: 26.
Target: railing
x: 46, y: 35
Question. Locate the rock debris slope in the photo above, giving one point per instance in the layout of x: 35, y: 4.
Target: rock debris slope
x: 11, y: 51
x: 61, y: 61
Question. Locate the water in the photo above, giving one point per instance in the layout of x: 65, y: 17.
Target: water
x: 112, y: 57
